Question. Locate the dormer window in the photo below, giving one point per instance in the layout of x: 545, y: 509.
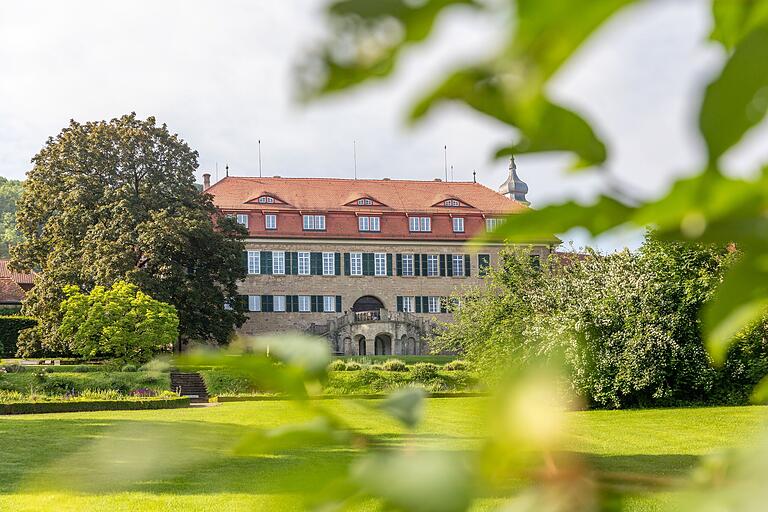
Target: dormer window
x: 242, y: 219
x: 266, y: 200
x: 364, y: 202
x: 452, y: 202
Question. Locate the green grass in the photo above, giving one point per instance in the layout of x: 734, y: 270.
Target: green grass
x: 80, y: 461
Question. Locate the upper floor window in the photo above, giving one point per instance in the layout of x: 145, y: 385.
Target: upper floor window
x: 278, y: 263
x: 364, y: 202
x: 254, y: 262
x: 433, y: 304
x: 254, y: 303
x: 379, y: 264
x: 329, y: 303
x: 329, y: 268
x: 356, y: 263
x: 279, y: 303
x: 458, y: 264
x: 304, y: 303
x: 433, y: 268
x: 409, y: 304
x: 420, y: 223
x: 452, y: 202
x: 407, y: 264
x: 303, y: 258
x: 266, y: 200
x: 242, y: 218
x: 270, y: 221
x: 369, y: 223
x: 458, y: 224
x: 314, y: 222
x: 491, y: 224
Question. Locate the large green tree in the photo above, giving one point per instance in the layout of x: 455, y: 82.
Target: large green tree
x: 116, y: 200
x: 10, y: 191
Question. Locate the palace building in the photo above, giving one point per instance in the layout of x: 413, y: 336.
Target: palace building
x: 369, y: 264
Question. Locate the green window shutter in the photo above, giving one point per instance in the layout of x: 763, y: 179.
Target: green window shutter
x: 417, y: 264
x: 368, y: 264
x: 267, y: 303
x: 449, y: 264
x: 316, y: 263
x: 442, y: 265
x: 389, y: 264
x: 347, y: 264
x: 288, y: 302
x: 338, y: 303
x: 425, y: 304
x: 337, y: 263
x: 423, y: 264
x: 266, y: 262
x: 483, y: 262
x: 418, y: 304
x: 399, y: 303
x: 467, y: 265
x: 293, y: 259
x: 295, y: 303
x: 245, y: 261
x: 399, y: 264
x: 316, y: 303
x: 242, y: 301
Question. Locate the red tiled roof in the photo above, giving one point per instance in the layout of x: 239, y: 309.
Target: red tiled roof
x: 326, y: 194
x: 17, y: 277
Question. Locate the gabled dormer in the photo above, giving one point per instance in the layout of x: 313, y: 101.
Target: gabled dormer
x: 266, y: 199
x: 364, y: 200
x: 450, y: 202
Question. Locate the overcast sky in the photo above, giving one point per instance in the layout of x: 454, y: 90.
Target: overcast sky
x: 220, y: 75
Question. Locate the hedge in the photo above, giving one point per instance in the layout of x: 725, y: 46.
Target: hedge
x: 366, y: 396
x: 9, y: 332
x: 94, y: 405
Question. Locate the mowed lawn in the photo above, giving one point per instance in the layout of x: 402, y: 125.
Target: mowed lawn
x: 193, y: 459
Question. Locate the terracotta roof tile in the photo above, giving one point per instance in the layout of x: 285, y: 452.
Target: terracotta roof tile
x: 18, y: 277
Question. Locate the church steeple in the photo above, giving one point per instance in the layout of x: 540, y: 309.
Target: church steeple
x: 514, y: 188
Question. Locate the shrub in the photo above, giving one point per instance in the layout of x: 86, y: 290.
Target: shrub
x: 337, y: 366
x: 10, y: 326
x: 424, y: 372
x: 128, y: 368
x: 96, y: 405
x: 456, y: 366
x: 353, y: 366
x: 13, y: 368
x: 227, y: 382
x: 394, y: 365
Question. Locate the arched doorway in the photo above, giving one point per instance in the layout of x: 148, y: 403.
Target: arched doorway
x: 367, y: 303
x: 383, y: 345
x: 361, y: 345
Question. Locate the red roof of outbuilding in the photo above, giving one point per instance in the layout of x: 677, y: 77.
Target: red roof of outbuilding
x: 324, y: 194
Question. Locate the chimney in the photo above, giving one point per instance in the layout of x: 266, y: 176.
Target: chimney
x: 206, y: 181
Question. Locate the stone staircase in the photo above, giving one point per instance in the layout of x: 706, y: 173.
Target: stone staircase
x: 190, y: 384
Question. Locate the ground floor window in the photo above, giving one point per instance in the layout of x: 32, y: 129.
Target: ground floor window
x: 254, y: 303
x: 304, y: 303
x: 279, y: 303
x: 329, y: 303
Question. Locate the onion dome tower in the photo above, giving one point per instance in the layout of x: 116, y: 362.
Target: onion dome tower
x: 514, y: 188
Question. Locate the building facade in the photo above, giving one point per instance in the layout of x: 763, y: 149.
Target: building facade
x: 369, y: 264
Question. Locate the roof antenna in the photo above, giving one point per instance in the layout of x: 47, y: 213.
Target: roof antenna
x: 217, y: 171
x: 452, y: 173
x: 474, y: 176
x: 227, y: 169
x: 354, y: 155
x: 445, y: 161
x: 259, y: 158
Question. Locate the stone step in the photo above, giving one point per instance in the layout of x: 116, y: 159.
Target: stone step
x: 190, y: 384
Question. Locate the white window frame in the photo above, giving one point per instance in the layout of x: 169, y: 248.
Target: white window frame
x: 492, y: 223
x: 375, y: 223
x: 458, y: 263
x: 451, y: 202
x: 329, y: 303
x: 254, y: 262
x: 426, y: 224
x: 408, y: 265
x: 414, y: 224
x: 433, y: 265
x: 314, y: 222
x: 379, y: 264
x: 270, y: 221
x: 254, y: 303
x: 409, y: 304
x: 329, y: 264
x: 278, y: 303
x: 363, y: 223
x: 304, y: 263
x: 356, y: 263
x: 458, y: 224
x: 433, y: 304
x: 242, y: 219
x: 305, y: 304
x: 278, y: 263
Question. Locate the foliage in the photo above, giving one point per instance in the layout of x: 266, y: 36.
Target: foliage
x: 121, y: 322
x: 353, y: 366
x: 456, y: 366
x: 10, y: 191
x: 423, y: 372
x: 127, y: 404
x: 10, y: 327
x: 116, y: 200
x: 337, y: 365
x: 58, y: 384
x: 394, y: 365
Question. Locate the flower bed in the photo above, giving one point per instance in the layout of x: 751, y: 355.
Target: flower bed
x: 93, y: 405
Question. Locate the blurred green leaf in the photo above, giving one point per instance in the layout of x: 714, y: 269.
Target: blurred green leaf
x: 736, y: 18
x: 738, y: 99
x: 405, y: 405
x: 298, y: 350
x: 539, y: 225
x: 417, y: 481
x: 319, y: 431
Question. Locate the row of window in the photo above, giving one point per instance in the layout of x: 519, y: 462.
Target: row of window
x: 367, y: 223
x: 361, y: 264
x: 417, y: 304
x: 292, y: 303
